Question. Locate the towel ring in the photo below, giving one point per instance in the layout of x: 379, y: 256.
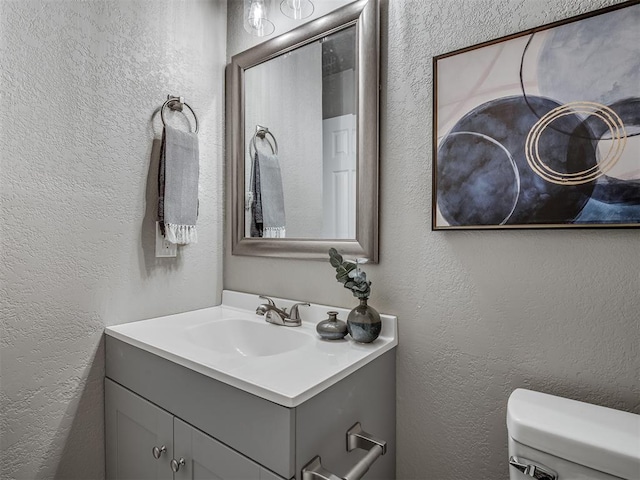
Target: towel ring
x: 181, y: 103
x: 262, y: 132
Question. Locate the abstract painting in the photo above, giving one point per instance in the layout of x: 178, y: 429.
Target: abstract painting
x: 541, y: 129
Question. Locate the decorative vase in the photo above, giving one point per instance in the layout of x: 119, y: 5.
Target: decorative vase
x: 332, y: 328
x: 364, y: 323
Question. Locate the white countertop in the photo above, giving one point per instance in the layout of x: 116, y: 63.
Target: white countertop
x: 288, y: 378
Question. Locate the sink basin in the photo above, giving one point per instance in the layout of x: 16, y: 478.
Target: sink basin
x: 246, y: 338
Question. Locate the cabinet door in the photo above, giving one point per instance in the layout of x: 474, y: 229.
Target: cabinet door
x: 207, y: 459
x: 133, y: 426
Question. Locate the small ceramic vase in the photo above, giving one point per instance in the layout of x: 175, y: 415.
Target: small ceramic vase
x: 332, y: 328
x: 364, y: 323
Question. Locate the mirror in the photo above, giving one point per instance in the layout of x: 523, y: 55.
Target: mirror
x: 302, y: 126
x: 303, y: 102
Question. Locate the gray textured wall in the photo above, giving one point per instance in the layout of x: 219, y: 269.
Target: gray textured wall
x: 480, y: 313
x: 80, y: 82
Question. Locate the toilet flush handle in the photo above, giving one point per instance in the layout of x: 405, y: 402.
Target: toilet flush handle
x: 534, y: 471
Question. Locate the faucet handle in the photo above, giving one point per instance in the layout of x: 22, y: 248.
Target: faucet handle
x: 271, y: 302
x: 293, y: 313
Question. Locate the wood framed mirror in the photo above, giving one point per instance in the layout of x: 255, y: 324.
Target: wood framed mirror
x: 307, y: 102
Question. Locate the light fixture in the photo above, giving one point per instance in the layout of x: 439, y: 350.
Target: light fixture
x: 297, y: 9
x: 256, y: 21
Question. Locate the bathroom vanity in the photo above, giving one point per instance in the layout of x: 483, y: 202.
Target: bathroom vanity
x: 220, y: 393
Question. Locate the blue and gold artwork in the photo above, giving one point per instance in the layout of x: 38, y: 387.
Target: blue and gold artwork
x: 541, y: 129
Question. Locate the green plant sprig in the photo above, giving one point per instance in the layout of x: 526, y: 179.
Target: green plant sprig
x: 350, y: 275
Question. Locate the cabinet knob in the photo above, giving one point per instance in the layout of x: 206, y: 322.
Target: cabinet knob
x: 157, y: 452
x: 176, y: 464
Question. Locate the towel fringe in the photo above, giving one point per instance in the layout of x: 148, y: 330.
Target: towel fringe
x: 274, y: 232
x: 180, y: 234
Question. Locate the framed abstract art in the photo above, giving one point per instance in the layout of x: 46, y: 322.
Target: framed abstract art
x: 541, y: 129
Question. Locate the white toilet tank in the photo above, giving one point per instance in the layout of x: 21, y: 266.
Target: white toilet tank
x: 553, y: 438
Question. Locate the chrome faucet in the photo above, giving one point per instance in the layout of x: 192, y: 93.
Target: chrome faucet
x: 279, y: 316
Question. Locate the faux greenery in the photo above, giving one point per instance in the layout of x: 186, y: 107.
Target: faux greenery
x: 350, y: 275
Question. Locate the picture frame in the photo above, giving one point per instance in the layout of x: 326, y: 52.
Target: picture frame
x: 541, y: 129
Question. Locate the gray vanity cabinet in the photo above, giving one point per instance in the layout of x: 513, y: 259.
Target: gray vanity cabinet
x: 135, y: 426
x: 226, y: 433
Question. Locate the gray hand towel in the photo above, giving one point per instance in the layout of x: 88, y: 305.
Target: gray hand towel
x: 178, y: 186
x: 257, y: 222
x: 272, y: 196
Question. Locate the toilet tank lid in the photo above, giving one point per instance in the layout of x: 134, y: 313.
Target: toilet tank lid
x: 597, y: 437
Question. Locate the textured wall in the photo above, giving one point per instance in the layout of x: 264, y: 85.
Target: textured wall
x: 480, y: 313
x: 80, y: 83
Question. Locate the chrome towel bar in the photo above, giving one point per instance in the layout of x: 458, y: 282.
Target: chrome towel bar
x: 356, y: 438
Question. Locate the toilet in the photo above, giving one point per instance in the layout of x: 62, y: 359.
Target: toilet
x: 554, y: 438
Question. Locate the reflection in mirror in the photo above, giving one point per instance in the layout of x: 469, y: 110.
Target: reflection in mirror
x: 305, y: 103
x: 302, y: 139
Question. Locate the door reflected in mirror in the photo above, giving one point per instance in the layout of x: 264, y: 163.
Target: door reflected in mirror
x: 301, y: 142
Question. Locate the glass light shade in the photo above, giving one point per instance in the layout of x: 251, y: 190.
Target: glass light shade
x: 297, y: 9
x: 256, y: 21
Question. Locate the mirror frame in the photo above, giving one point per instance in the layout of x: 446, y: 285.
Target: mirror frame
x: 364, y: 14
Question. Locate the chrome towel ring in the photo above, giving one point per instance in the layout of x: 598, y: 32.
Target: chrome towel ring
x: 176, y: 104
x: 262, y: 132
